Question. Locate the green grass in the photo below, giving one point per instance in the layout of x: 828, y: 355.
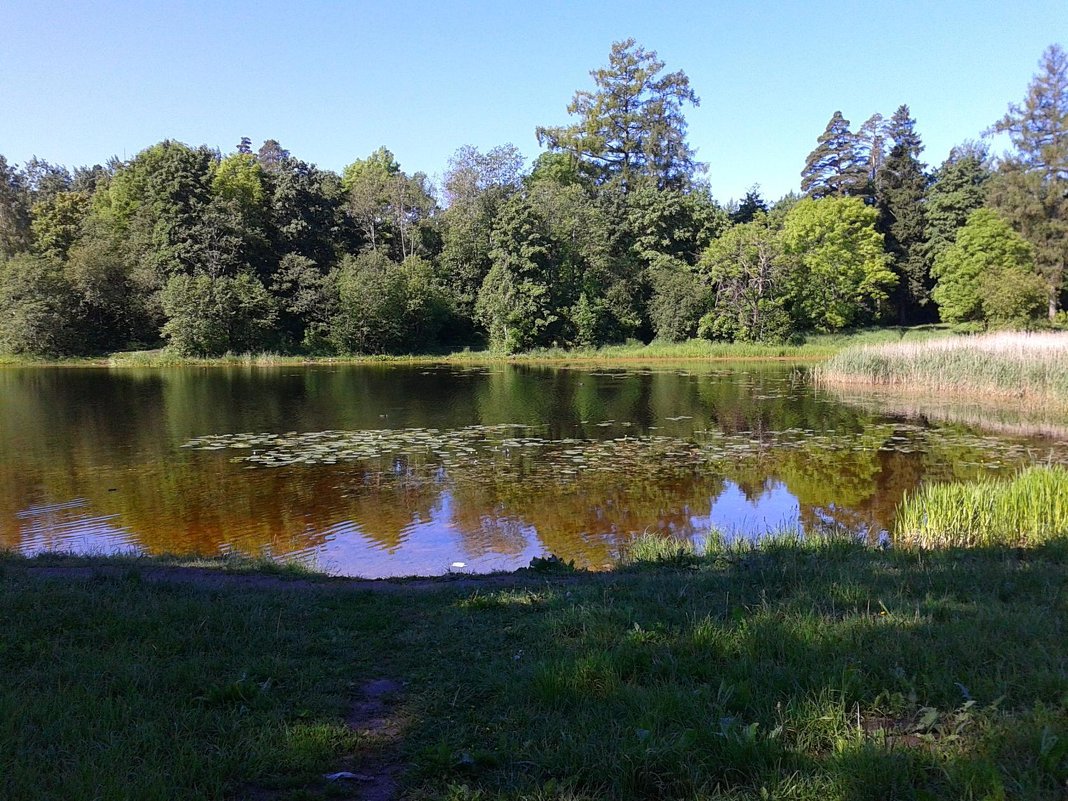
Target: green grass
x: 816, y: 346
x: 803, y: 669
x: 1030, y: 509
x: 1029, y: 367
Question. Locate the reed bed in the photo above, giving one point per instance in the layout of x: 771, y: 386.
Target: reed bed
x: 1029, y: 510
x: 1032, y: 367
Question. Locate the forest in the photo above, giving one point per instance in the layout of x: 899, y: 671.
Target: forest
x: 612, y: 234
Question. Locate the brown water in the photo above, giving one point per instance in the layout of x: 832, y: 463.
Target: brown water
x: 398, y: 470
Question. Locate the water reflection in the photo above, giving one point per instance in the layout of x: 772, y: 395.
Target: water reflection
x: 486, y: 466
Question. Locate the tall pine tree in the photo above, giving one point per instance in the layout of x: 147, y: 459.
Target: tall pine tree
x: 632, y: 126
x: 836, y: 167
x: 957, y: 189
x: 871, y: 143
x: 1031, y: 187
x: 902, y: 183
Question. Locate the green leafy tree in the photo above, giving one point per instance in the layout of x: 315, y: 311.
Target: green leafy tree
x: 839, y: 276
x: 679, y: 300
x: 210, y: 316
x: 57, y: 222
x: 672, y: 225
x: 160, y: 206
x: 557, y: 167
x: 1031, y: 187
x: 902, y: 219
x: 39, y: 308
x: 307, y: 301
x: 516, y: 302
x: 389, y: 207
x: 304, y: 210
x: 116, y: 311
x: 749, y: 282
x: 632, y: 125
x: 988, y: 274
x: 386, y: 307
x: 836, y: 167
x: 43, y: 181
x: 476, y: 185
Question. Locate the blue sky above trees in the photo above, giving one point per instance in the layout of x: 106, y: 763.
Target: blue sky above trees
x: 333, y: 81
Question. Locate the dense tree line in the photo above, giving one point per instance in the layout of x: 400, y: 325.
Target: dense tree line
x: 611, y: 234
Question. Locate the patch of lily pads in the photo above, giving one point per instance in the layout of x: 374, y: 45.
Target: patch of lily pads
x: 512, y: 452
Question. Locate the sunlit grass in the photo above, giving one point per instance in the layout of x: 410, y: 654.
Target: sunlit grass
x: 1029, y: 366
x: 1030, y: 509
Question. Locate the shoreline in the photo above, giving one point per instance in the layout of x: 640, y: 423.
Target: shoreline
x: 816, y: 348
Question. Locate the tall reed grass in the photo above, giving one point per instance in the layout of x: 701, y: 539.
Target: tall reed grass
x: 1031, y: 509
x: 1030, y: 366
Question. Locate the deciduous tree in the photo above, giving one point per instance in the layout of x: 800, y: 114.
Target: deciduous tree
x: 839, y: 276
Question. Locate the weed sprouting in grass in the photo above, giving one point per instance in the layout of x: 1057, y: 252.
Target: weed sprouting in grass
x: 1030, y: 509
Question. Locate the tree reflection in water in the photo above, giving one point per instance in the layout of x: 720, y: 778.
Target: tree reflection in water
x: 563, y: 460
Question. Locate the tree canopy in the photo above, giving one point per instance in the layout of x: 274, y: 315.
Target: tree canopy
x: 631, y: 127
x: 611, y: 233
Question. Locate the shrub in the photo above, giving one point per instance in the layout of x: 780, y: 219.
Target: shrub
x: 39, y: 308
x: 209, y: 316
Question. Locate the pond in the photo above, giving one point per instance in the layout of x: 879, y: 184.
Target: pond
x: 387, y: 470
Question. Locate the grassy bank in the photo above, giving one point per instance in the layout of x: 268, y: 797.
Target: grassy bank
x: 1029, y: 367
x: 814, y: 347
x: 819, y: 670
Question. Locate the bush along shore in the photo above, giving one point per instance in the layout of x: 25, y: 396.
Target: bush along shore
x: 1032, y: 367
x: 811, y: 348
x: 800, y: 668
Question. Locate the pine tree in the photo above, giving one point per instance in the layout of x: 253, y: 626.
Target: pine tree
x: 957, y: 189
x: 902, y: 183
x: 632, y: 126
x: 1031, y: 187
x: 14, y: 211
x: 752, y: 205
x: 871, y: 143
x: 836, y: 167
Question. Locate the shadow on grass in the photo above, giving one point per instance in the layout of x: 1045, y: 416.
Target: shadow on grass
x: 820, y: 670
x: 807, y: 671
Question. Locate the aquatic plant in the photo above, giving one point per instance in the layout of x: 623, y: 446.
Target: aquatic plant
x: 1028, y: 366
x: 1030, y: 509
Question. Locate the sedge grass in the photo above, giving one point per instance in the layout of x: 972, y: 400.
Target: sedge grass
x: 1029, y: 510
x: 1032, y: 367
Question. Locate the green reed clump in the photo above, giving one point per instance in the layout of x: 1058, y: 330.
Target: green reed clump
x: 1029, y: 510
x: 658, y: 549
x: 1033, y: 367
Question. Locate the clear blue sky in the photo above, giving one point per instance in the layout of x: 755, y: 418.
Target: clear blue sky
x: 332, y: 81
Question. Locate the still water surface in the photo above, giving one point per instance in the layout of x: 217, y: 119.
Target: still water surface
x: 399, y: 470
